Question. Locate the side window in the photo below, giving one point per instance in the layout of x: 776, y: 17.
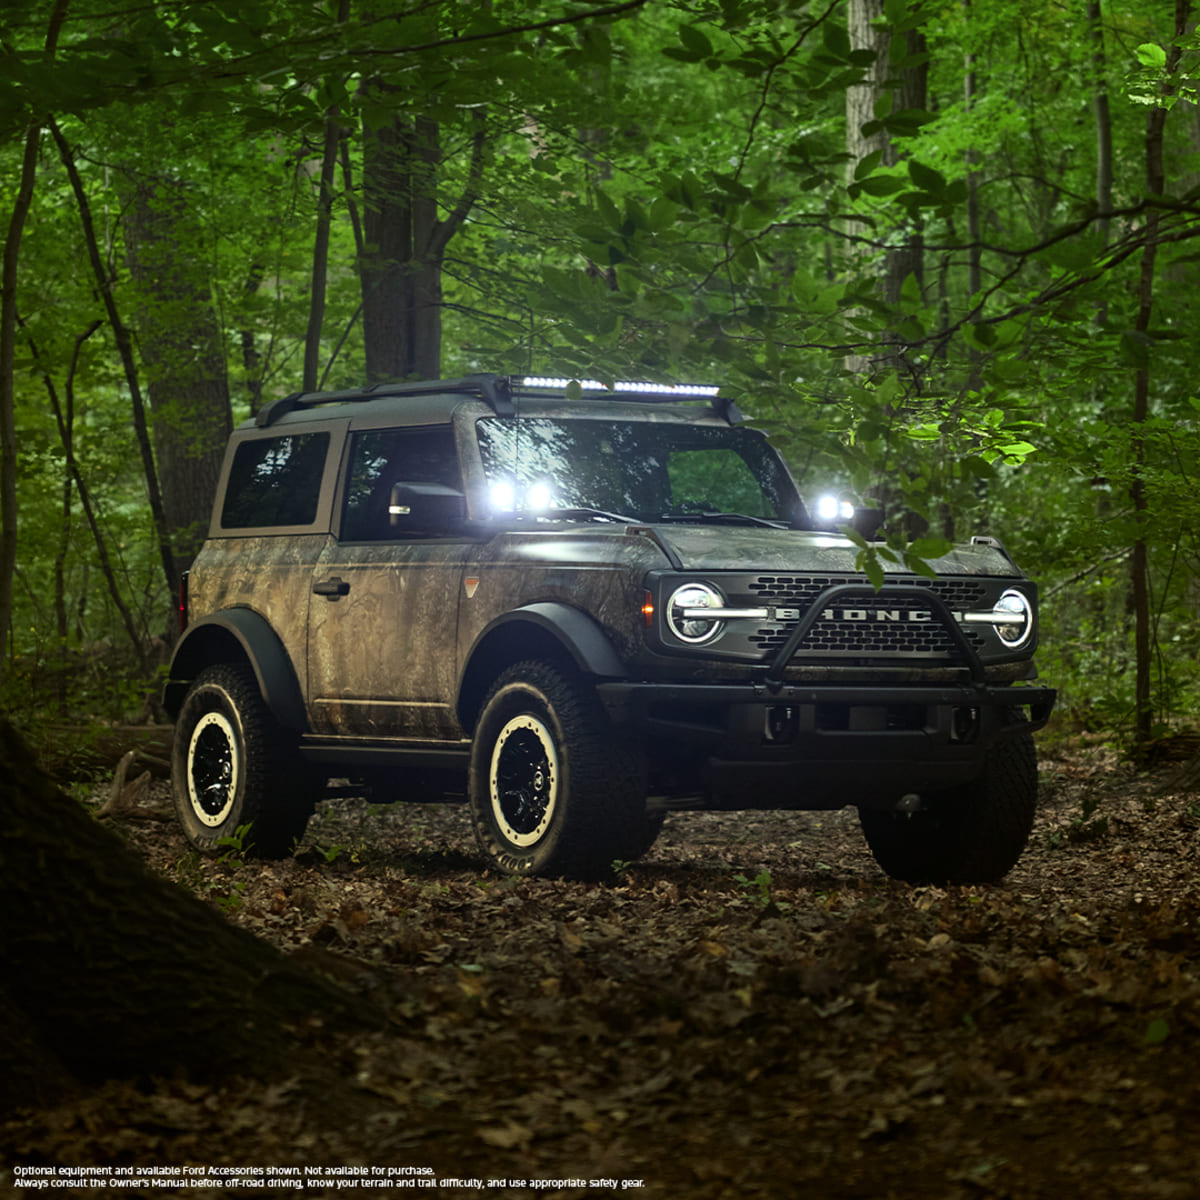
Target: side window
x: 275, y: 481
x: 381, y: 458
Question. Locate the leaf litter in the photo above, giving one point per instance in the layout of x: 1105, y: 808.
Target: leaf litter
x: 751, y: 1010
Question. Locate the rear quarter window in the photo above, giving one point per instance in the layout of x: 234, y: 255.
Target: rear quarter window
x: 275, y: 481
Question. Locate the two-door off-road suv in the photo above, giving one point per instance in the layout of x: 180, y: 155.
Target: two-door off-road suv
x: 584, y: 607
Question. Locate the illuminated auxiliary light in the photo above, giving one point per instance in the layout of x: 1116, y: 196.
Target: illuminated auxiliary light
x: 538, y: 497
x: 830, y: 508
x: 503, y: 496
x: 621, y: 385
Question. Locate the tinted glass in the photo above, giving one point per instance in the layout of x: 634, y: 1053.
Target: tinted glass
x: 381, y: 458
x: 275, y: 481
x: 648, y: 470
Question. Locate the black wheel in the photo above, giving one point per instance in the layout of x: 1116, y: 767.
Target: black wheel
x: 231, y: 765
x: 552, y: 789
x: 973, y: 834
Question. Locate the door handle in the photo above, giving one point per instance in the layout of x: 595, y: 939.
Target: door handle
x: 333, y: 588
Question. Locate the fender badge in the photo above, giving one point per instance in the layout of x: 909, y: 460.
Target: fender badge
x: 471, y: 583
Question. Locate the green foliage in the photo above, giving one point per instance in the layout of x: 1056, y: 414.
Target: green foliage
x: 758, y: 888
x: 943, y: 326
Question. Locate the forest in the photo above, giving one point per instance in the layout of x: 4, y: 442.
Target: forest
x: 940, y: 250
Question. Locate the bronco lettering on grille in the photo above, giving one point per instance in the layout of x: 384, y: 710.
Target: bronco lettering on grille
x: 876, y: 614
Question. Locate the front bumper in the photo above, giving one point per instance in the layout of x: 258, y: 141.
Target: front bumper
x: 800, y: 745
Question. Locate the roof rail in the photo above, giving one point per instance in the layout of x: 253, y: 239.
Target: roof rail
x: 498, y: 392
x: 493, y: 389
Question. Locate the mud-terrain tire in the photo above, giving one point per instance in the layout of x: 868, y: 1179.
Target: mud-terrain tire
x: 973, y: 834
x: 232, y: 765
x: 553, y: 791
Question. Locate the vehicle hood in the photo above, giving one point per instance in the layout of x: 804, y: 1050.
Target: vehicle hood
x: 739, y: 548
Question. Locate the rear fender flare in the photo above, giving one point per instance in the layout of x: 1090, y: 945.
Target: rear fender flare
x: 231, y: 635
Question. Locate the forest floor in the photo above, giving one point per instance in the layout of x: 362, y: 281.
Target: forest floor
x: 752, y: 1010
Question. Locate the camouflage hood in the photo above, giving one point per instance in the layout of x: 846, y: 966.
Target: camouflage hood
x: 740, y: 548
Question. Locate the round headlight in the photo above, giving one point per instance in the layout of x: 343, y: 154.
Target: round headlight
x: 1015, y: 634
x: 685, y: 600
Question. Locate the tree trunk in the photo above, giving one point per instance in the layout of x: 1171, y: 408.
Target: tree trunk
x: 112, y: 972
x: 182, y: 349
x: 405, y: 241
x: 907, y: 88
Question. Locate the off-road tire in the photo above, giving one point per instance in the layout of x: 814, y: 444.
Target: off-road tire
x: 973, y: 834
x: 232, y: 765
x: 553, y: 791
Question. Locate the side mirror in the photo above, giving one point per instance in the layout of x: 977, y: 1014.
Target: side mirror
x: 425, y: 507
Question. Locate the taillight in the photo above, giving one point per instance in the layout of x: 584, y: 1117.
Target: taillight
x: 183, y: 601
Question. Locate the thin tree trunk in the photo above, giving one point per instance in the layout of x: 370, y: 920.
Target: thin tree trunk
x: 125, y: 348
x: 320, y: 270
x: 8, y: 347
x: 1155, y: 183
x: 8, y: 422
x: 974, y: 222
x: 64, y: 421
x: 316, y: 313
x: 1102, y: 117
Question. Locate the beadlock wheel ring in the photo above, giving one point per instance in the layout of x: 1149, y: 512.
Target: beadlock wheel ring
x: 213, y: 769
x: 523, y: 780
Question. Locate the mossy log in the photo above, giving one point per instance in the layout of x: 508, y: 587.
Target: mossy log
x: 113, y: 972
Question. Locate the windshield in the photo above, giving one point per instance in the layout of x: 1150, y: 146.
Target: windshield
x: 633, y: 470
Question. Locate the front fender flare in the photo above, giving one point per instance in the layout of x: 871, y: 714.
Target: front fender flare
x: 240, y: 632
x: 569, y: 630
x: 579, y: 634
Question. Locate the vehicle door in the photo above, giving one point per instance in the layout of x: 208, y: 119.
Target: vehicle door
x: 382, y: 650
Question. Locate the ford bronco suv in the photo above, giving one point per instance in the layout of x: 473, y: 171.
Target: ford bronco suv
x: 581, y: 608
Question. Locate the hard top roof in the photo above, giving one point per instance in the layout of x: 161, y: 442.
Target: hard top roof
x: 500, y: 393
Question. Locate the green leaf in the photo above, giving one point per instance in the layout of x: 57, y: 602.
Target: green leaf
x: 867, y: 164
x: 1156, y: 1033
x: 694, y: 42
x: 880, y: 185
x: 868, y: 562
x: 1150, y: 54
x: 926, y: 178
x: 930, y: 547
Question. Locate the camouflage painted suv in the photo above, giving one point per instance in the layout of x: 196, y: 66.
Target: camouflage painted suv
x: 582, y: 609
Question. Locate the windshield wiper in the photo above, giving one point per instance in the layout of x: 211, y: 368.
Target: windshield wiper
x: 724, y: 518
x: 585, y: 514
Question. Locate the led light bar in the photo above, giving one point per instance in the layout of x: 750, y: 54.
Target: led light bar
x: 621, y: 385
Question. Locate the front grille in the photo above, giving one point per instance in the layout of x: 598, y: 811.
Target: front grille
x: 867, y: 626
x: 799, y: 591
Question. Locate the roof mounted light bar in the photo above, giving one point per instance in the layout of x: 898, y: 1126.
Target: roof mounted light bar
x: 498, y: 391
x: 621, y: 385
